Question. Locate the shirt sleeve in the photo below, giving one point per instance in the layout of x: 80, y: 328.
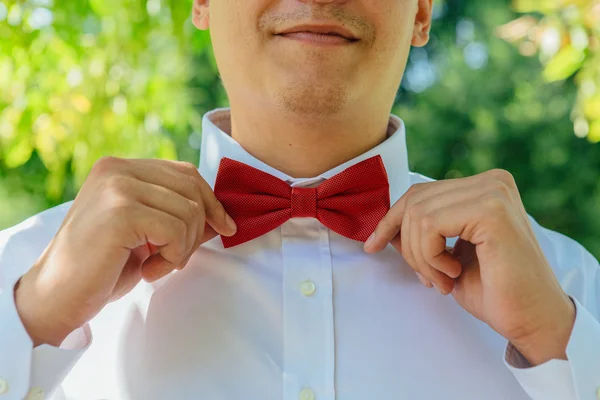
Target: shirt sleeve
x: 577, y: 378
x: 22, y: 367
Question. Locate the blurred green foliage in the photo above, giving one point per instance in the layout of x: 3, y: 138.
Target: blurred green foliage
x: 566, y: 35
x: 82, y: 79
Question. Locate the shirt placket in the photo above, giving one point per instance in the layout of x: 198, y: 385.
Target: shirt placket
x: 308, y: 324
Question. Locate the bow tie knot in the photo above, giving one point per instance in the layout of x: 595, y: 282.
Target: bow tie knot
x: 304, y: 202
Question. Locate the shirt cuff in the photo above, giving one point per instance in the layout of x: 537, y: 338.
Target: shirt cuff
x: 577, y: 378
x: 51, y: 365
x: 22, y: 366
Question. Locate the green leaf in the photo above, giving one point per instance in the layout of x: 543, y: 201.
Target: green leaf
x: 564, y: 64
x: 19, y: 153
x: 594, y: 135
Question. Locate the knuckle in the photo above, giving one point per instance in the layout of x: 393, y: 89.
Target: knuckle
x: 181, y: 230
x: 416, y: 212
x: 415, y: 188
x: 411, y: 202
x: 196, y: 210
x: 106, y: 164
x: 427, y: 222
x: 429, y: 259
x: 196, y: 183
x: 115, y: 191
x: 504, y: 176
x: 502, y: 188
x: 180, y: 227
x: 116, y: 182
x: 188, y: 167
x: 494, y: 204
x: 121, y: 211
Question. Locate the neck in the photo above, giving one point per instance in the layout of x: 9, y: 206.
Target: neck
x: 306, y: 147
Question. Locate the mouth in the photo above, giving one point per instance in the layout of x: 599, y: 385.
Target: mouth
x: 319, y: 34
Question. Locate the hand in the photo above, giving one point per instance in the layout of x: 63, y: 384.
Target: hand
x: 132, y: 219
x: 497, y: 270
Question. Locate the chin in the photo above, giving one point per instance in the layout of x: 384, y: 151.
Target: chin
x: 312, y: 98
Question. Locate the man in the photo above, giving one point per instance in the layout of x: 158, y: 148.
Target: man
x: 257, y: 283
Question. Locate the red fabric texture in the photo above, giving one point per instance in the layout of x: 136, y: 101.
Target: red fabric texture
x: 350, y: 203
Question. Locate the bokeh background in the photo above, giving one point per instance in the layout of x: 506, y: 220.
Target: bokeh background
x: 503, y: 84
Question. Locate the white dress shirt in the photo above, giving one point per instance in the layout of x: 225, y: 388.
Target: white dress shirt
x: 301, y: 313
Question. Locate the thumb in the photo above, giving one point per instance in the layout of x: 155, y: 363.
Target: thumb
x: 216, y: 216
x: 209, y: 233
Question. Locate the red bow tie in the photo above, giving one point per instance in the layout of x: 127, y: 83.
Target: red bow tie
x: 350, y: 203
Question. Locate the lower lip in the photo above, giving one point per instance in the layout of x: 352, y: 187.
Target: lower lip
x: 318, y: 39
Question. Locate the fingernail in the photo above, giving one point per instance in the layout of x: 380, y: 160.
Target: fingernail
x: 230, y: 223
x: 443, y: 292
x: 370, y: 240
x: 423, y: 281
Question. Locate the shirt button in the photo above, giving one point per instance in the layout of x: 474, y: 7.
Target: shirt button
x: 307, y: 394
x: 308, y: 288
x: 3, y: 386
x: 35, y: 393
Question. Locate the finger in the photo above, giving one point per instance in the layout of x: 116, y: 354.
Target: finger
x: 163, y: 199
x: 157, y: 267
x: 184, y: 178
x: 443, y: 262
x: 401, y: 243
x: 166, y: 232
x: 432, y: 247
x: 429, y: 244
x: 421, y: 191
x: 397, y: 243
x: 185, y: 262
x: 453, y: 189
x: 391, y: 222
x: 205, y: 233
x: 436, y: 254
x: 424, y: 281
x: 387, y: 228
x: 414, y: 236
x: 405, y: 240
x: 441, y: 281
x: 208, y: 234
x: 464, y: 220
x: 216, y: 215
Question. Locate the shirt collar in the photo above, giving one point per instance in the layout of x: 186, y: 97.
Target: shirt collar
x: 217, y: 143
